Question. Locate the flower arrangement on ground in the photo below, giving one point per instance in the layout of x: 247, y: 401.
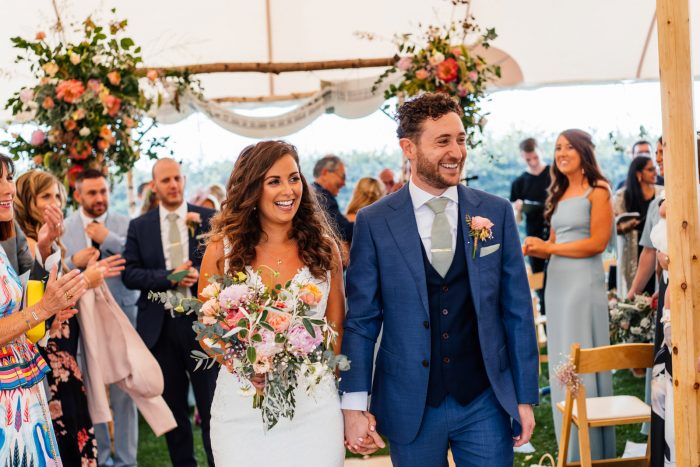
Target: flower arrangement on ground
x: 253, y: 330
x: 632, y: 321
x: 441, y: 62
x: 88, y: 104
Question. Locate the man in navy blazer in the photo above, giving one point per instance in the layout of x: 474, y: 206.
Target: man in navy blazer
x: 457, y: 365
x: 163, y: 241
x: 92, y: 228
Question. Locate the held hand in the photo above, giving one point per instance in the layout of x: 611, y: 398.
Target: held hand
x: 624, y: 227
x: 184, y: 266
x: 97, y: 232
x: 534, y: 246
x: 63, y: 292
x: 190, y: 280
x: 361, y: 436
x: 527, y: 421
x: 258, y: 381
x: 81, y: 258
x: 663, y: 260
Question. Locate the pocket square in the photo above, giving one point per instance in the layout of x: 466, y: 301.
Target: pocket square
x: 487, y: 250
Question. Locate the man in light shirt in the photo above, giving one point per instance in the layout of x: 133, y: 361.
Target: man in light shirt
x: 438, y: 268
x: 93, y: 231
x: 161, y: 242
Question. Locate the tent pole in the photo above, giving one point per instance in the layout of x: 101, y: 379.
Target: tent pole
x: 268, y: 25
x: 673, y: 23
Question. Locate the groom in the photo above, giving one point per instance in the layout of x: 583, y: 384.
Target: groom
x: 457, y: 366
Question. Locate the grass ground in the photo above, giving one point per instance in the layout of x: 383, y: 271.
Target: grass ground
x: 153, y: 451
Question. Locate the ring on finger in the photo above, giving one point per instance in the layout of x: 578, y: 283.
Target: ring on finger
x: 68, y: 296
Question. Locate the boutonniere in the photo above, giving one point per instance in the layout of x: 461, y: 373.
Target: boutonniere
x: 193, y: 220
x: 479, y: 230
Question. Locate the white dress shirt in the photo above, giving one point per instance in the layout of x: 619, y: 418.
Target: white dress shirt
x: 165, y: 230
x: 88, y: 220
x: 424, y: 221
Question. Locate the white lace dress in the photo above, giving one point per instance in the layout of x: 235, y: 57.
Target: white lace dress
x: 313, y: 438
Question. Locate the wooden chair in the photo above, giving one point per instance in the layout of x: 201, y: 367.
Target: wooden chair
x: 536, y: 282
x: 593, y: 412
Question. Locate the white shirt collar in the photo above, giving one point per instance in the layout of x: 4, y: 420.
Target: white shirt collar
x: 87, y: 219
x: 180, y: 211
x: 419, y: 197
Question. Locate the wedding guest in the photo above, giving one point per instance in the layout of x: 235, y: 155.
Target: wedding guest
x: 149, y: 198
x: 528, y: 194
x: 159, y: 243
x: 38, y: 191
x: 387, y: 178
x: 25, y: 429
x: 641, y: 148
x: 580, y: 213
x: 94, y: 229
x: 635, y: 197
x: 329, y: 175
x: 367, y: 191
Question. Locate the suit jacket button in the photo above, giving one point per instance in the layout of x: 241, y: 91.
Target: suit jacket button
x: 445, y: 335
x: 445, y: 312
x: 425, y: 363
x: 445, y: 288
x: 445, y: 359
x: 426, y: 324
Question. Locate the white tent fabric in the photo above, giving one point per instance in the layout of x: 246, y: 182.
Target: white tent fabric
x: 549, y: 42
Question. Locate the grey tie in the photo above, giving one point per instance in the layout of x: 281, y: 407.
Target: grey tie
x: 174, y: 244
x: 441, y: 237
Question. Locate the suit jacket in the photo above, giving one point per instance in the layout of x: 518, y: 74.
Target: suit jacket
x: 386, y: 287
x: 74, y: 240
x: 145, y: 267
x: 21, y: 259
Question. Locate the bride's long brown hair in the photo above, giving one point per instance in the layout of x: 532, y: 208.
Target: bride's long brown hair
x: 238, y: 221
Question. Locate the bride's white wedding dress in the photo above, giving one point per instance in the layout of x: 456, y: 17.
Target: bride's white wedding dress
x: 313, y: 438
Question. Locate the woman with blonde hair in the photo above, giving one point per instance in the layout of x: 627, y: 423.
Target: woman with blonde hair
x: 367, y: 191
x: 25, y: 429
x: 38, y: 193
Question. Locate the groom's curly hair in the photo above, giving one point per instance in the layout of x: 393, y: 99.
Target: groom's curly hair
x: 238, y: 221
x: 412, y: 113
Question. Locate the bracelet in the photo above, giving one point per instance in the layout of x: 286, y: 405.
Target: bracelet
x: 26, y: 320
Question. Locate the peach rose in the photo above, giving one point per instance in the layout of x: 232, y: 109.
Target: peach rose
x: 48, y: 103
x: 112, y: 105
x: 278, y: 320
x: 70, y: 124
x: 114, y: 78
x: 40, y: 36
x: 479, y: 223
x: 94, y: 85
x: 74, y: 58
x: 422, y: 74
x: 103, y: 145
x: 38, y: 160
x: 310, y: 294
x: 50, y: 68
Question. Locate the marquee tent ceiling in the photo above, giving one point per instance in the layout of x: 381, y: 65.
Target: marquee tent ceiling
x: 550, y: 42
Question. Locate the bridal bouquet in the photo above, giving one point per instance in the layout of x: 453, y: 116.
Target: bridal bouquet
x: 632, y: 320
x: 253, y: 330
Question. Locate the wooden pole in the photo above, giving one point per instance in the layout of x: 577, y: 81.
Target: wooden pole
x: 682, y: 217
x: 278, y: 98
x: 274, y: 67
x: 268, y: 26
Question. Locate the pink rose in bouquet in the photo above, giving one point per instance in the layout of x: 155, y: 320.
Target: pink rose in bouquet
x: 38, y: 138
x: 301, y: 342
x: 267, y: 347
x: 405, y: 62
x: 278, y: 320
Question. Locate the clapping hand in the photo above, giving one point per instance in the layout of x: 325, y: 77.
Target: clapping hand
x: 51, y: 229
x: 63, y: 292
x: 361, y: 435
x: 97, y: 271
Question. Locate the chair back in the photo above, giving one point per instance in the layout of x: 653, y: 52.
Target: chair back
x: 612, y: 357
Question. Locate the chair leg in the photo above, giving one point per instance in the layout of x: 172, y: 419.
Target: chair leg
x: 584, y: 440
x: 647, y: 463
x: 565, y: 429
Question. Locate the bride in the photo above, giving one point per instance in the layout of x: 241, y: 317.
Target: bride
x: 271, y: 222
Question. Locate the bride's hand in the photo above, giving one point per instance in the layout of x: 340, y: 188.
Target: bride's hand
x: 258, y: 381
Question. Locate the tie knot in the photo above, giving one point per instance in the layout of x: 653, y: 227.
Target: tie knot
x: 438, y: 205
x: 172, y: 217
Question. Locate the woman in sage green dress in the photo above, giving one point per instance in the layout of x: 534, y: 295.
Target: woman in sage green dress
x: 579, y: 210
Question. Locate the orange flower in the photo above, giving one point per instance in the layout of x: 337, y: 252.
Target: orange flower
x: 79, y: 150
x: 112, y: 105
x: 78, y: 114
x: 40, y: 36
x: 103, y: 145
x: 70, y: 90
x: 310, y: 294
x: 48, y: 103
x: 447, y: 70
x: 38, y: 160
x: 114, y: 77
x: 70, y: 124
x: 105, y: 132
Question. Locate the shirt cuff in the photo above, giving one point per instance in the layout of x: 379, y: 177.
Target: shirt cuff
x: 354, y: 400
x: 53, y: 259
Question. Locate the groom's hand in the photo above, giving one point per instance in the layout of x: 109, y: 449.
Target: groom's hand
x: 527, y: 421
x: 361, y: 436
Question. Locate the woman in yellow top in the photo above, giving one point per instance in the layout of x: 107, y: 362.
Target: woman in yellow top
x: 26, y: 433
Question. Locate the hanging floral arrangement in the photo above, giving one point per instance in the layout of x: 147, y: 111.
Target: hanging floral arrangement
x: 90, y: 103
x: 441, y: 62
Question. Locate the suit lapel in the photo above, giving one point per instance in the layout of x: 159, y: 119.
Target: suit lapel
x: 468, y: 202
x: 402, y: 224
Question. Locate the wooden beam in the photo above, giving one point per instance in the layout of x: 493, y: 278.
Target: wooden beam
x: 274, y: 67
x: 278, y: 98
x: 673, y: 23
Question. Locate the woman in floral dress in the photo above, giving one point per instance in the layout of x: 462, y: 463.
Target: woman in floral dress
x: 26, y: 434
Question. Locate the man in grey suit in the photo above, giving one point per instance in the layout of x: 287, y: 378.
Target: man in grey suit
x: 93, y: 232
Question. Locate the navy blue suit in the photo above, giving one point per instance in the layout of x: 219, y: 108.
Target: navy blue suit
x: 170, y: 339
x: 388, y: 288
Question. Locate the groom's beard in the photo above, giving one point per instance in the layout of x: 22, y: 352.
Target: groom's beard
x: 430, y: 172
